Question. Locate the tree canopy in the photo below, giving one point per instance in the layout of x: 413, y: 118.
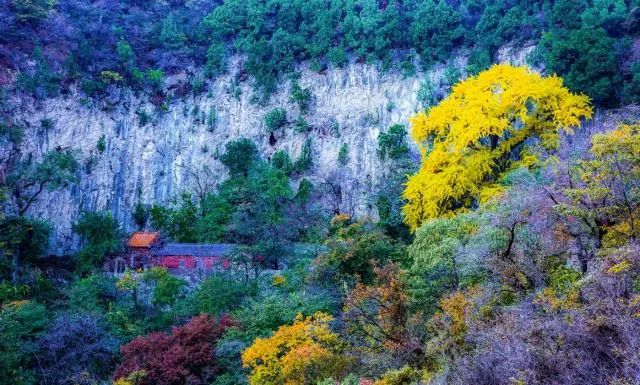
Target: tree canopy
x: 479, y: 131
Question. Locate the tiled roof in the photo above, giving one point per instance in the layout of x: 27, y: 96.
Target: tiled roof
x: 196, y: 250
x: 142, y: 239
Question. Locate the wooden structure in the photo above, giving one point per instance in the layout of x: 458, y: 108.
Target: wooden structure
x: 140, y: 247
x: 190, y: 256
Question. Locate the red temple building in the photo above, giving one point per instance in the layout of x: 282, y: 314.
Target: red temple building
x: 146, y: 249
x: 191, y: 256
x: 139, y: 248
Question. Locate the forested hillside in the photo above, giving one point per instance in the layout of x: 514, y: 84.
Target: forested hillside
x: 136, y: 43
x: 360, y: 192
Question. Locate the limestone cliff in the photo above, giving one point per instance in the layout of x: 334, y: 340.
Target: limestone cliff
x: 154, y: 162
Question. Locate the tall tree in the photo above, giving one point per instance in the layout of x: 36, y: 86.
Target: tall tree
x: 477, y: 133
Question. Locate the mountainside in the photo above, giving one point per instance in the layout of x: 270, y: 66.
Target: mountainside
x: 179, y: 147
x: 320, y: 192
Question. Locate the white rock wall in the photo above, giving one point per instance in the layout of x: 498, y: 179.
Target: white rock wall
x: 155, y: 162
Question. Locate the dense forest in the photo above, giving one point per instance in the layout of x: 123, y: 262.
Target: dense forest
x: 505, y: 253
x: 136, y: 43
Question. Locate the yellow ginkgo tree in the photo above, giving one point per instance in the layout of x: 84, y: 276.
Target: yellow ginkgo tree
x: 479, y: 132
x: 302, y: 353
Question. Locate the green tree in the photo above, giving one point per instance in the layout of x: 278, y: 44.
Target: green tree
x: 282, y: 162
x: 436, y: 29
x: 436, y: 266
x: 216, y: 59
x: 211, y: 226
x: 305, y: 159
x: 101, y: 236
x: 355, y: 249
x: 30, y: 179
x: 239, y: 155
x: 178, y: 220
x: 140, y: 215
x: 586, y: 59
x: 20, y: 325
x: 32, y: 11
x: 393, y: 143
x: 343, y: 154
x: 22, y: 240
x: 171, y: 34
x: 275, y: 119
x: 301, y: 96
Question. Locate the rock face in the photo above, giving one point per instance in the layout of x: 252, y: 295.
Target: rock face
x: 179, y: 146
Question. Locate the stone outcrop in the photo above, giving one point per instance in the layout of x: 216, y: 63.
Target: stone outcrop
x: 179, y: 147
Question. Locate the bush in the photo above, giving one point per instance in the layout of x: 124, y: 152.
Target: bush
x: 275, y: 119
x: 393, y: 143
x: 143, y: 116
x: 212, y: 119
x: 155, y: 79
x: 301, y: 125
x: 305, y: 159
x: 75, y: 347
x: 47, y: 124
x: 184, y: 356
x: 343, y: 154
x: 301, y: 96
x: 102, y: 144
x: 282, y: 162
x: 239, y: 155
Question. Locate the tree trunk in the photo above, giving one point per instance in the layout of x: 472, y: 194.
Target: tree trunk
x: 15, y: 262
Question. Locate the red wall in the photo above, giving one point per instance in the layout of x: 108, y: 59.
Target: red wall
x: 173, y: 261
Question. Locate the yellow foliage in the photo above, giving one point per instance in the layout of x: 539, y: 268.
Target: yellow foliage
x: 468, y: 140
x: 127, y: 282
x: 134, y: 378
x: 620, y: 267
x: 456, y: 307
x: 278, y: 280
x: 111, y: 77
x: 404, y: 375
x: 551, y: 300
x: 296, y: 354
x: 616, y: 161
x: 340, y: 220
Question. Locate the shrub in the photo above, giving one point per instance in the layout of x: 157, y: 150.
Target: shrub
x: 143, y: 116
x: 212, y: 119
x: 102, y: 144
x: 275, y: 119
x: 155, y: 79
x: 343, y: 154
x: 301, y: 125
x: 301, y: 96
x: 47, y: 124
x: 393, y: 143
x: 282, y: 161
x: 184, y: 356
x: 75, y: 347
x: 239, y: 155
x: 305, y: 159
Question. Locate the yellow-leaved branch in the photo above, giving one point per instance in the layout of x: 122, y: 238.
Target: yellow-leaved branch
x: 478, y: 133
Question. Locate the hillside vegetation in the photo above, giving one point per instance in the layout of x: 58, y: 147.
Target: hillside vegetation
x: 507, y: 253
x: 136, y: 43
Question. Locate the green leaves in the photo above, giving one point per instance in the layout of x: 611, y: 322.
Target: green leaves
x: 101, y: 235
